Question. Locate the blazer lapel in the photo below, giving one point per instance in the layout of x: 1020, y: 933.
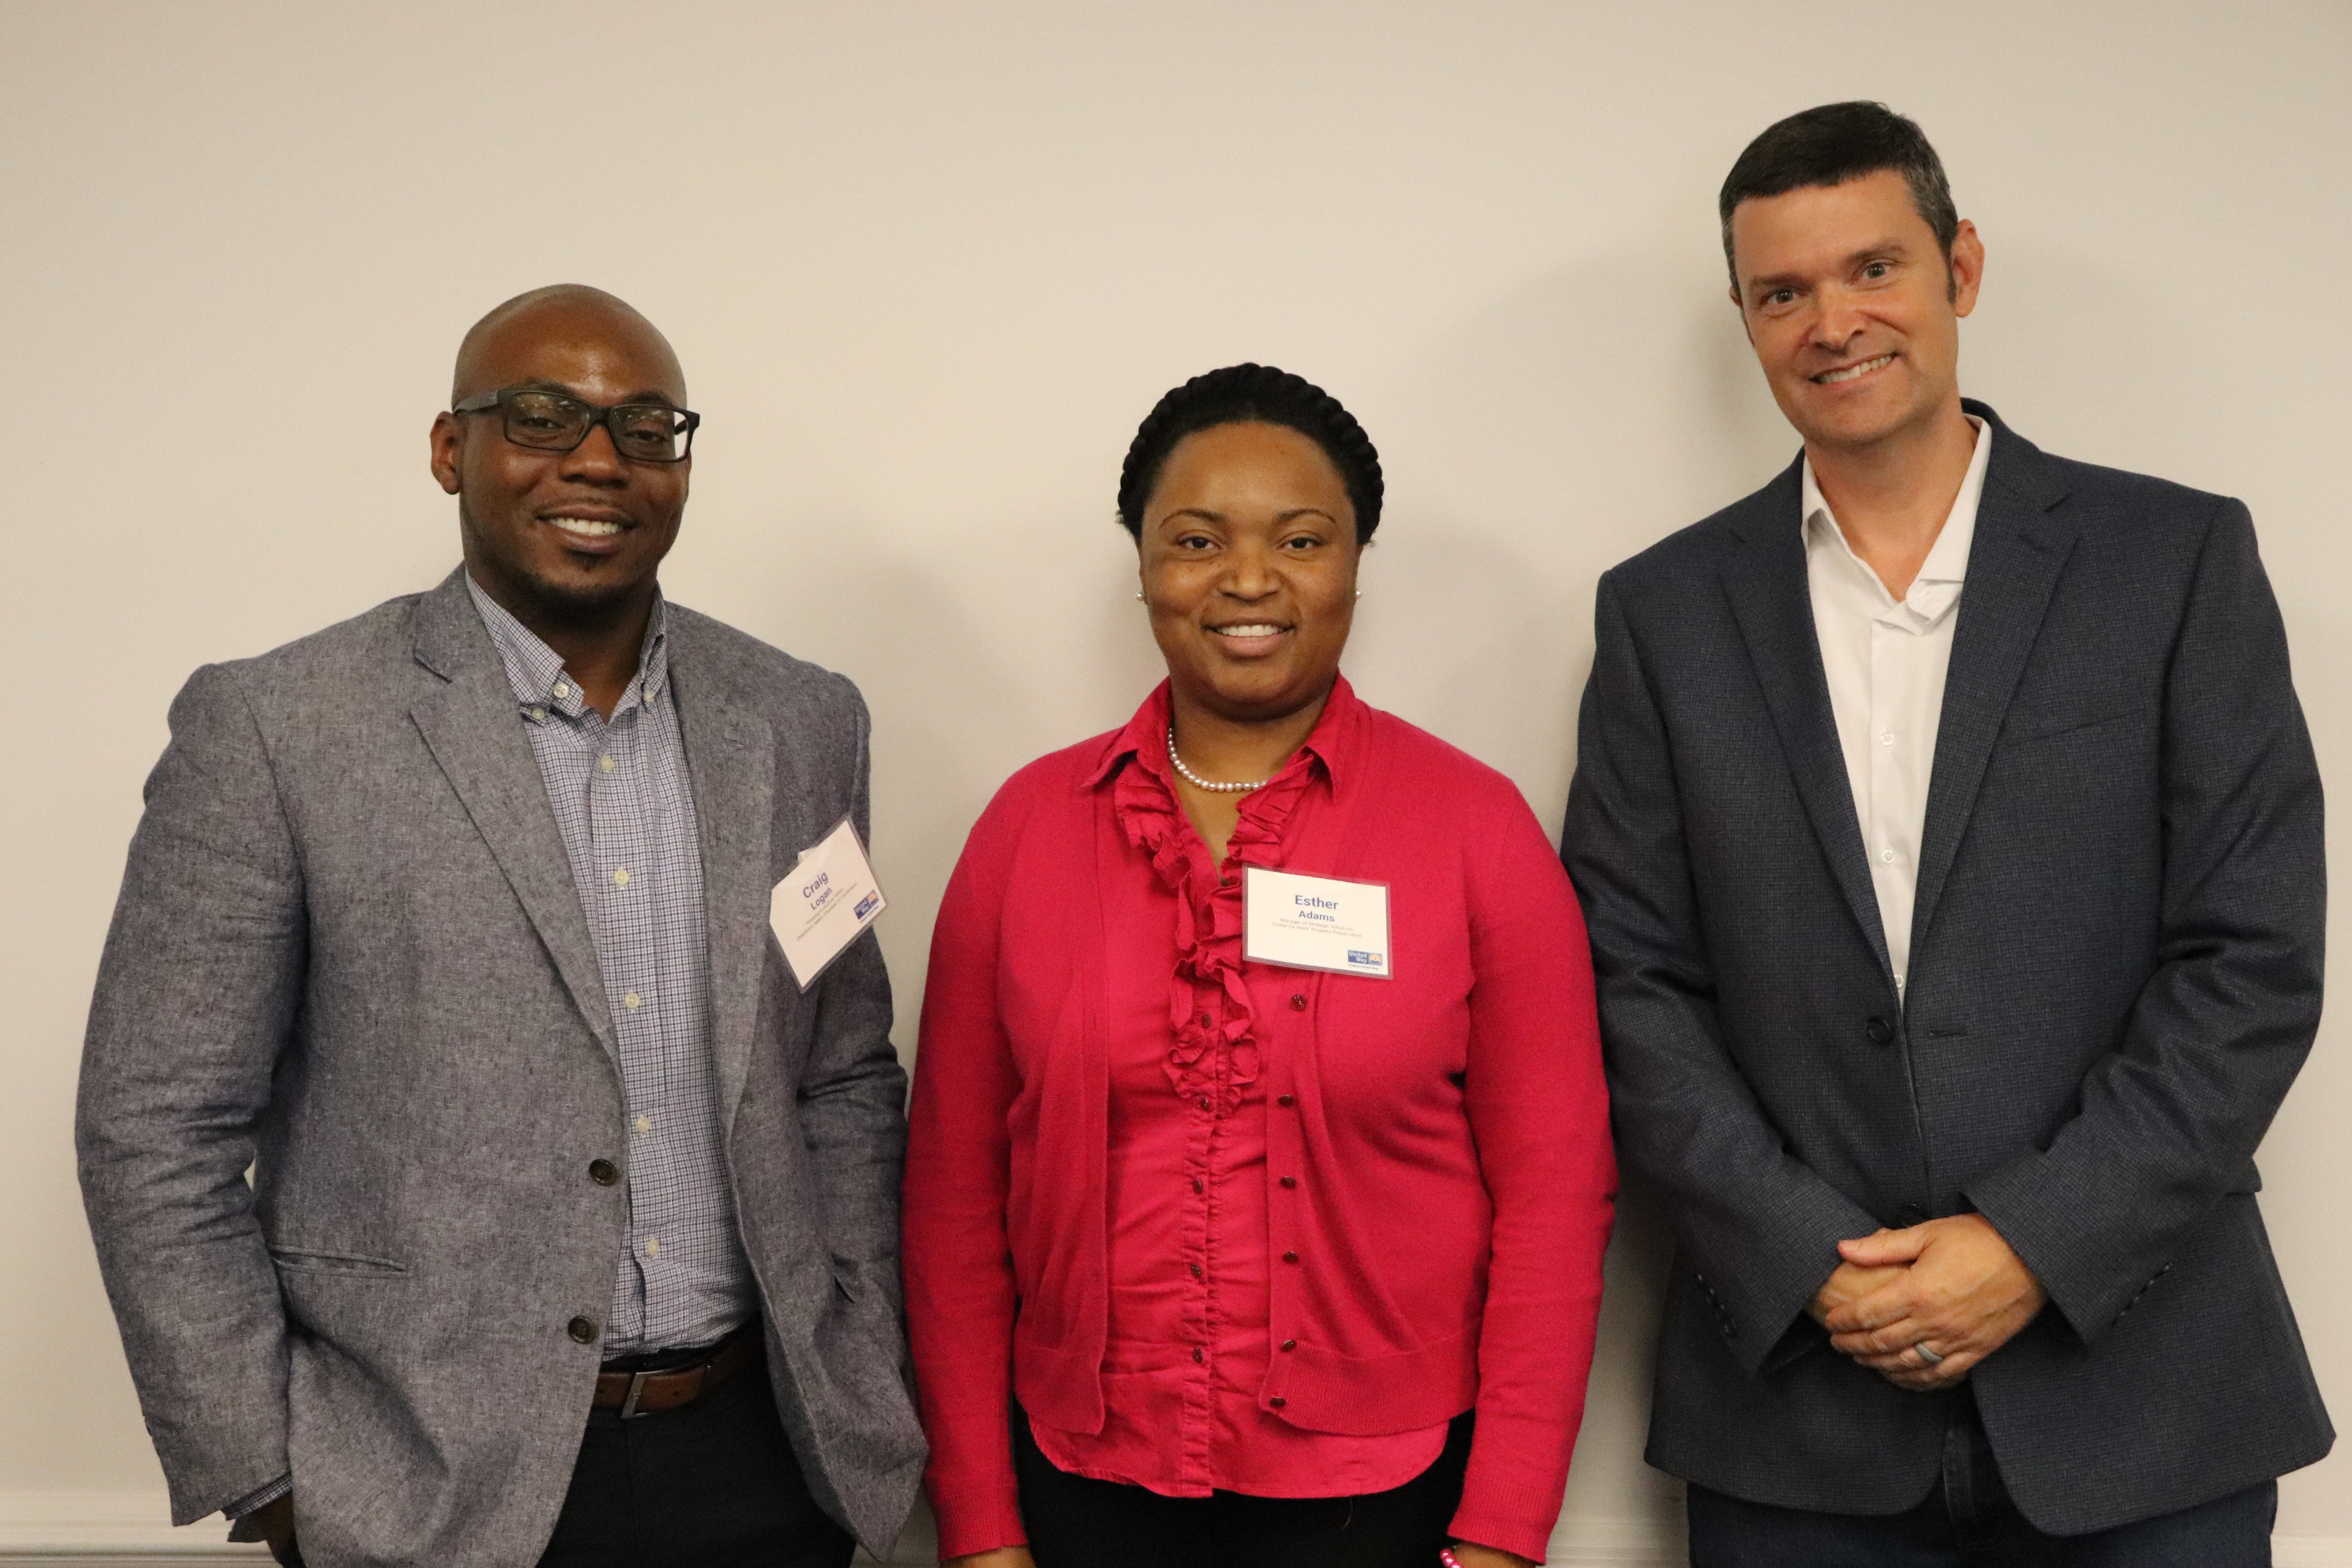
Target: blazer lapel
x: 2013, y: 566
x: 469, y: 724
x: 734, y: 771
x: 1773, y: 601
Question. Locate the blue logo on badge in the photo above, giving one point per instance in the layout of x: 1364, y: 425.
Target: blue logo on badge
x: 867, y: 903
x: 1369, y: 960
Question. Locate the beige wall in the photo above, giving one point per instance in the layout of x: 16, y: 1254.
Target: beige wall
x: 928, y: 265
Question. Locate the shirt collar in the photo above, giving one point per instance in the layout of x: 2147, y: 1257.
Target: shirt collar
x: 1333, y: 744
x: 1936, y: 588
x: 536, y: 671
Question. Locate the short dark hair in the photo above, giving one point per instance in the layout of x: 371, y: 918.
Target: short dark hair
x: 1251, y: 394
x: 1832, y: 144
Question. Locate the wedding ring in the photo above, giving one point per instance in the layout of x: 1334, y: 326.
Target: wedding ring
x: 1926, y: 1356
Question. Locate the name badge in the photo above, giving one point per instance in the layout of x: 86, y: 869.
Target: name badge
x: 826, y: 901
x: 1317, y: 922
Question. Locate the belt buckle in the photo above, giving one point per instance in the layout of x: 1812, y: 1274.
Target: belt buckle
x: 636, y: 1388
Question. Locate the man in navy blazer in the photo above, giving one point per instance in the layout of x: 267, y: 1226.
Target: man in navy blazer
x: 1950, y: 840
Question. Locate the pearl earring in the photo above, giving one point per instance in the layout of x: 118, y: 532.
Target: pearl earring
x: 1138, y: 592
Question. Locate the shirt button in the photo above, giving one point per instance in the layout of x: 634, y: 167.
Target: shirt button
x: 1278, y: 1402
x: 562, y: 690
x: 620, y: 879
x: 1887, y: 856
x: 603, y: 1172
x: 1290, y: 1344
x: 605, y: 763
x: 645, y: 1123
x: 1289, y: 1181
x: 1290, y: 1257
x: 582, y: 1331
x: 630, y: 1001
x: 1886, y: 740
x: 539, y: 712
x: 1282, y: 1100
x: 1298, y: 1004
x: 653, y: 1247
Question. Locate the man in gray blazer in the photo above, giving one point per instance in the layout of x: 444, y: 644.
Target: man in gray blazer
x: 571, y: 1230
x: 1950, y: 841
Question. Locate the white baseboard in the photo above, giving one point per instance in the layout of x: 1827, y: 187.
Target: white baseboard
x: 131, y: 1529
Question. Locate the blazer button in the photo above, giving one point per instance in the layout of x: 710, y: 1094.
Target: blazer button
x: 1910, y: 1215
x: 1278, y: 1402
x: 581, y: 1329
x: 1879, y: 1030
x: 603, y: 1172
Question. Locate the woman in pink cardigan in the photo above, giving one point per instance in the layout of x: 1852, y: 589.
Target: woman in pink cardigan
x: 1260, y: 1167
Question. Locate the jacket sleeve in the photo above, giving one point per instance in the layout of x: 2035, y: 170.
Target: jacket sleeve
x: 1538, y: 1113
x: 2168, y: 1122
x: 853, y: 1097
x: 197, y: 993
x: 959, y: 1284
x: 1759, y: 1227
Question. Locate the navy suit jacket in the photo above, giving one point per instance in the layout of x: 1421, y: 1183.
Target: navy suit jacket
x: 2115, y: 977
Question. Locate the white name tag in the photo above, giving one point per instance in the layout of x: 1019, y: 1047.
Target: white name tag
x: 1317, y: 922
x: 821, y: 907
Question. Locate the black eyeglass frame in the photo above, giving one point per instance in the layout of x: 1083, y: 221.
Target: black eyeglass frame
x: 487, y: 402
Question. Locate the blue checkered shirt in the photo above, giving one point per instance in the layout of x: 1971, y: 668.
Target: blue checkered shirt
x: 619, y: 790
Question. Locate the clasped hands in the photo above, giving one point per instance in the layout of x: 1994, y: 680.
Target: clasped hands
x: 1952, y: 1285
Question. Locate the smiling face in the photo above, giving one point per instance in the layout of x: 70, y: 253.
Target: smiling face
x: 559, y: 536
x: 1248, y: 554
x: 1852, y: 309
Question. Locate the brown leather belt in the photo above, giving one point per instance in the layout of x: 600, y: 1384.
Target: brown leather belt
x: 644, y: 1393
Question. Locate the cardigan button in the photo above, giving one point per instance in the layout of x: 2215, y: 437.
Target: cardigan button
x: 1298, y: 1004
x: 1199, y: 1354
x: 1290, y: 1257
x: 1290, y: 1344
x: 1289, y: 1181
x: 1282, y: 1100
x: 1199, y: 1185
x: 1204, y: 1102
x: 1278, y: 1402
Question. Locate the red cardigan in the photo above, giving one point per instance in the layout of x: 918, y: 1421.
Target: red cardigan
x: 1449, y: 1127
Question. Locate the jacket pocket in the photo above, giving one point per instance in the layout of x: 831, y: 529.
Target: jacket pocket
x: 316, y: 1260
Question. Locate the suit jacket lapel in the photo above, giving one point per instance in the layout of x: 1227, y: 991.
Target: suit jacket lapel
x: 733, y: 766
x: 1765, y: 579
x: 2013, y: 566
x: 469, y: 724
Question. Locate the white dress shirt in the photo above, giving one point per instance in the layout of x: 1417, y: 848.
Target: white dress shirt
x: 1885, y: 659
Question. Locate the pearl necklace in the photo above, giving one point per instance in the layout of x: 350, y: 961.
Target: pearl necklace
x: 1192, y: 778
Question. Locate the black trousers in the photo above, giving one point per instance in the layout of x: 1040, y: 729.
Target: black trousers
x: 710, y: 1485
x: 1969, y: 1521
x: 1076, y: 1521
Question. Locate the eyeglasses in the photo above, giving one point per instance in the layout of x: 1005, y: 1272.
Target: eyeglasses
x: 558, y: 422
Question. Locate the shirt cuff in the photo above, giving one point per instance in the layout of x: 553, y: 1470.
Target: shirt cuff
x: 252, y: 1503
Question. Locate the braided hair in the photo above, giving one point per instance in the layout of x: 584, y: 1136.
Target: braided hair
x: 1245, y: 395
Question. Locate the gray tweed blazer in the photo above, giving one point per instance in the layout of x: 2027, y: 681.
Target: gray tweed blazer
x: 2115, y: 977
x: 349, y: 955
